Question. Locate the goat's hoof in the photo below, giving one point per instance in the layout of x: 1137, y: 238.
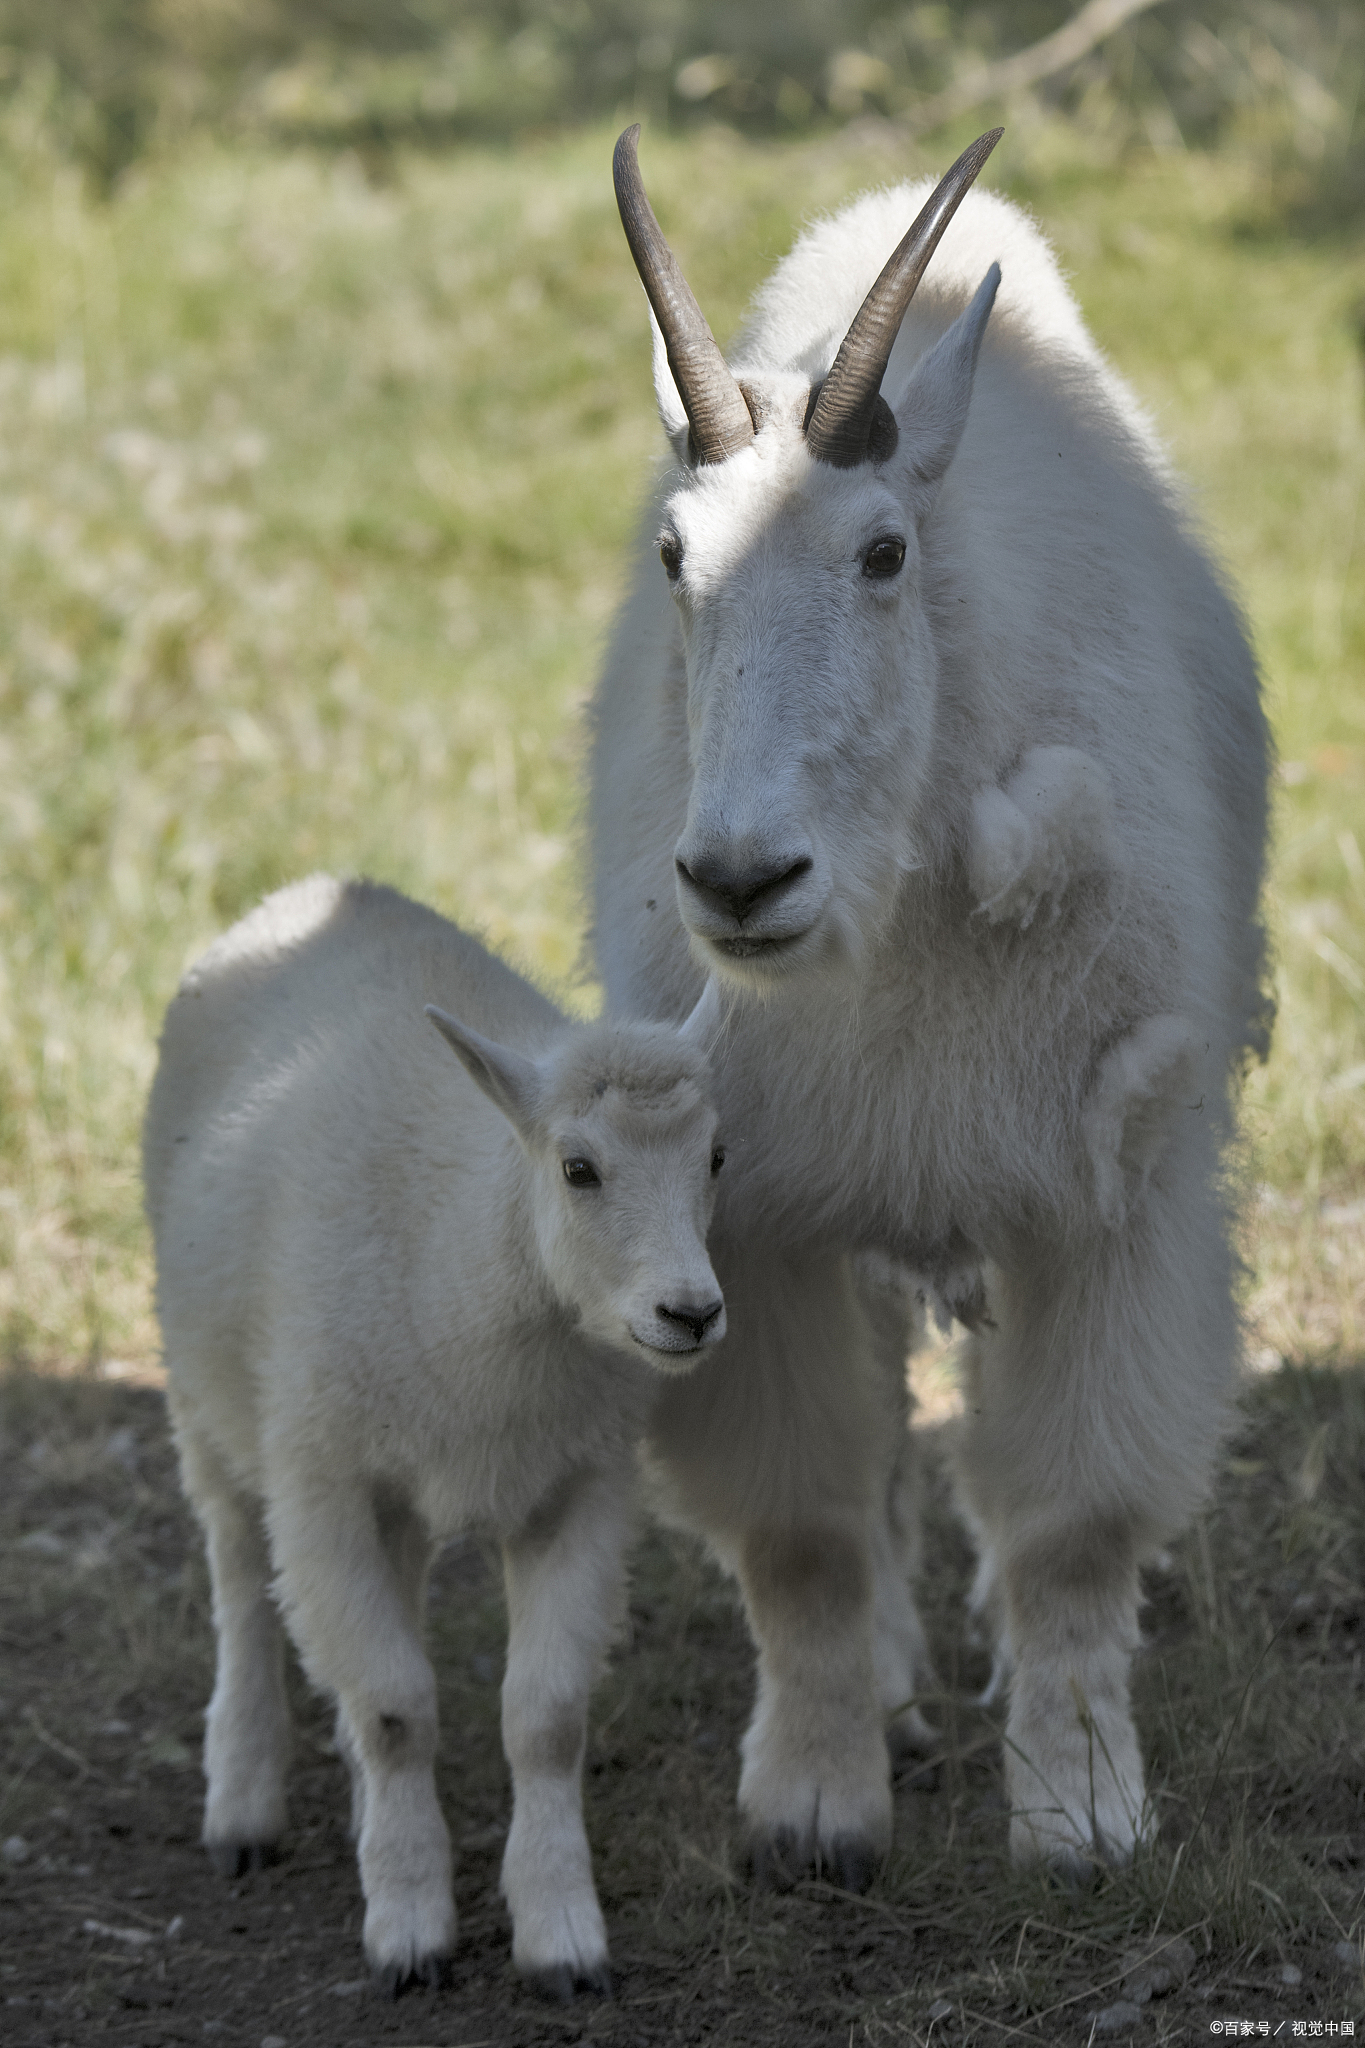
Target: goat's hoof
x: 235, y: 1859
x: 391, y: 1980
x: 913, y: 1747
x: 558, y: 1982
x: 778, y: 1859
x: 782, y: 1858
x: 917, y: 1773
x: 1072, y: 1870
x: 552, y: 1981
x: 907, y: 1748
x: 851, y: 1863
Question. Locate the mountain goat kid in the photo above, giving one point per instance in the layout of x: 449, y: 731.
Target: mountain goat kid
x: 400, y: 1296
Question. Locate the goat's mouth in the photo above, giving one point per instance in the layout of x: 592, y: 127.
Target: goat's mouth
x: 754, y: 957
x: 681, y: 1334
x: 667, y: 1357
x: 744, y: 947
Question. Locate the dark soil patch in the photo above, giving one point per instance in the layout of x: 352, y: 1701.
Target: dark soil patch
x: 112, y: 1928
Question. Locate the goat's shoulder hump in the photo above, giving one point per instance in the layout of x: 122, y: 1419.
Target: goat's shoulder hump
x: 833, y: 264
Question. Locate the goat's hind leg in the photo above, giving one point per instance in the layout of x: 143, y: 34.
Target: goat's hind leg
x: 902, y: 1663
x: 350, y: 1569
x: 247, y: 1737
x: 565, y: 1578
x: 409, y: 1551
x: 890, y: 1297
x: 1103, y: 1393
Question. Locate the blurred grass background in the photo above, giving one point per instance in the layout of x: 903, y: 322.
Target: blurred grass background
x: 324, y: 418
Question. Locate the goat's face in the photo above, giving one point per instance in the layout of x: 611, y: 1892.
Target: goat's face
x: 618, y: 1130
x: 810, y: 700
x: 623, y: 1193
x: 792, y: 548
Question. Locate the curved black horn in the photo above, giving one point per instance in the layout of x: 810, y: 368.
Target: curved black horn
x: 849, y: 420
x: 715, y: 406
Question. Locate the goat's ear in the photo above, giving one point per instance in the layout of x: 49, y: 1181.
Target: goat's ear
x: 672, y: 411
x: 507, y: 1078
x: 933, y: 411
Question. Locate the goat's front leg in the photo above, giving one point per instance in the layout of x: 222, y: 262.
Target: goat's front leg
x: 564, y: 1574
x: 814, y: 1785
x: 773, y: 1450
x: 1051, y: 824
x: 349, y: 1588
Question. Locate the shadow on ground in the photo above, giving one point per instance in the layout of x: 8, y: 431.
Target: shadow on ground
x: 1250, y: 1697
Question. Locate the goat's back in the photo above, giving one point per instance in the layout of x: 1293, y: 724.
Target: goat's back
x: 319, y: 956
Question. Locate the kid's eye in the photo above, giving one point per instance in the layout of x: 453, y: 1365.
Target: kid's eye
x: 885, y: 556
x: 670, y: 554
x: 717, y: 1160
x: 581, y: 1173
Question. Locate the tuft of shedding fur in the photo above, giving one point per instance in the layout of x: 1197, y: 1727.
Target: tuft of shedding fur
x: 1051, y: 824
x: 406, y: 1286
x: 974, y: 846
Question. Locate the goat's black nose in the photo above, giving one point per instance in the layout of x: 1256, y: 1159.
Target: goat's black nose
x: 693, y: 1316
x: 739, y: 890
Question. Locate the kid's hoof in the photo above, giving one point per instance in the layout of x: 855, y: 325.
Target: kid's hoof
x: 558, y: 1982
x: 235, y: 1859
x: 391, y: 1980
x: 1071, y: 1870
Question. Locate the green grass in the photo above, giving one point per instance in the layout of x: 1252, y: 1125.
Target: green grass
x: 313, y: 499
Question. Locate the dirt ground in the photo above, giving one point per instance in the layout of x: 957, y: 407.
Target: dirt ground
x: 112, y: 1927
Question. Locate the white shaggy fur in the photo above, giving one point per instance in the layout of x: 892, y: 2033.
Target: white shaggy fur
x: 1052, y: 823
x: 1052, y: 701
x: 388, y: 1314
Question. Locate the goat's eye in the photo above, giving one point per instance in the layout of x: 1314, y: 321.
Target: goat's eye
x: 670, y: 554
x: 581, y: 1173
x: 885, y: 556
x: 717, y: 1159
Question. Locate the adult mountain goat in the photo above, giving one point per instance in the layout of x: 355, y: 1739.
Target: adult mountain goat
x: 935, y: 737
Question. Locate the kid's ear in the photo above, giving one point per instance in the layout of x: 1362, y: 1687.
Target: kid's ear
x: 672, y: 411
x: 933, y: 410
x: 507, y: 1078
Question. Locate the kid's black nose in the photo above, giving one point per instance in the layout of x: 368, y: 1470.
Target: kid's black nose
x: 692, y: 1316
